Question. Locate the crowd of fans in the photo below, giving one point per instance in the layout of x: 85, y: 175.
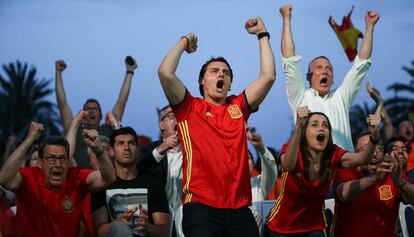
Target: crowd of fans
x: 199, y: 179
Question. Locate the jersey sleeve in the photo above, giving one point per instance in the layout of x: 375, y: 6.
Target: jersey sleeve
x: 344, y: 175
x: 299, y: 162
x: 183, y: 109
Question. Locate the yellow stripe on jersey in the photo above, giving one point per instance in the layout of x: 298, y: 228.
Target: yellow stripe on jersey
x: 324, y: 215
x: 276, y: 207
x: 183, y: 127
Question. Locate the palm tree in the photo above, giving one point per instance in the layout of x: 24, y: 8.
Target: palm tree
x: 399, y: 106
x: 22, y: 100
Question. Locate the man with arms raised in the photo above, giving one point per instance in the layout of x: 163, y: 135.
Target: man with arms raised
x: 212, y: 132
x: 49, y: 199
x: 93, y: 116
x: 319, y: 97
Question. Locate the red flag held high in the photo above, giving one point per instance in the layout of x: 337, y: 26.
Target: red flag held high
x: 347, y: 34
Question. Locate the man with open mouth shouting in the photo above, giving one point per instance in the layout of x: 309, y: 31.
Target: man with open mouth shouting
x: 319, y: 97
x: 212, y: 132
x: 371, y: 196
x: 49, y: 198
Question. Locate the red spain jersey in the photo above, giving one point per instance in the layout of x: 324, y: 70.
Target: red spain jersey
x: 214, y: 144
x: 373, y: 213
x: 51, y: 211
x: 300, y: 205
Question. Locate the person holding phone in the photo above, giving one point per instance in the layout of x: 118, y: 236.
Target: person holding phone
x: 93, y: 109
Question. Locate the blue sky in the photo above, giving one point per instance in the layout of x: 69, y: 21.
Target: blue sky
x: 94, y: 36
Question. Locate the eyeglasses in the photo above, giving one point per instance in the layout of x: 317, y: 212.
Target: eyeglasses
x: 51, y: 160
x: 169, y: 115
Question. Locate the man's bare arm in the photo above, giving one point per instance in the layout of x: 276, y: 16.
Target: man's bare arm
x: 64, y: 109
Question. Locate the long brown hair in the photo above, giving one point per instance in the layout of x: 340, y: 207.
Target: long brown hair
x: 327, y: 153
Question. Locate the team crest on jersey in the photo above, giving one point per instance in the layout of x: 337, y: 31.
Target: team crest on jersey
x: 385, y: 192
x: 234, y: 111
x: 67, y: 204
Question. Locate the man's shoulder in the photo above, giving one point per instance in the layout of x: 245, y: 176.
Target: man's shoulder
x: 144, y: 179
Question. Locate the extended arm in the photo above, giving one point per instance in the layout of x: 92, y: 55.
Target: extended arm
x: 71, y: 135
x: 351, y: 160
x: 64, y: 109
x: 287, y: 44
x: 376, y: 96
x: 295, y: 87
x: 9, y: 175
x: 269, y: 170
x: 350, y: 190
x: 407, y: 188
x: 258, y: 89
x: 173, y: 88
x: 106, y: 173
x: 120, y: 104
x: 290, y: 157
x: 371, y: 18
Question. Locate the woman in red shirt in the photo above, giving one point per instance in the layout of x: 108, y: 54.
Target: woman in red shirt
x: 309, y: 161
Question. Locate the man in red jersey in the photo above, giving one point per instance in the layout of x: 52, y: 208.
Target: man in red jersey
x: 49, y: 199
x: 369, y: 197
x: 212, y: 132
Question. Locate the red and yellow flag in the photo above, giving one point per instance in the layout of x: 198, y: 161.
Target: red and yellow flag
x: 347, y: 34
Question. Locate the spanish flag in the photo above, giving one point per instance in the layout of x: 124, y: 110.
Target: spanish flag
x: 347, y: 34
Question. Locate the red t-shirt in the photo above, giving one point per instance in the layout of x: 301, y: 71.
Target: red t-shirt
x: 50, y: 212
x: 300, y: 205
x: 373, y: 213
x: 214, y: 144
x: 9, y: 225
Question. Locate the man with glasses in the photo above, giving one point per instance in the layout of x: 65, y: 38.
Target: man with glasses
x: 370, y: 196
x: 49, y: 199
x: 93, y: 117
x: 164, y: 158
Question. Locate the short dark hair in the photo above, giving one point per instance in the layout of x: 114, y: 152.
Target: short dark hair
x: 363, y: 133
x: 53, y: 140
x: 204, y: 69
x: 309, y: 73
x: 122, y: 131
x: 390, y: 143
x: 94, y: 101
x: 161, y: 112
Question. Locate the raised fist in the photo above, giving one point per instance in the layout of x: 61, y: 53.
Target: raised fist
x: 35, y: 130
x: 371, y: 17
x: 286, y: 11
x: 130, y: 63
x: 255, y: 26
x: 60, y: 65
x: 192, y: 41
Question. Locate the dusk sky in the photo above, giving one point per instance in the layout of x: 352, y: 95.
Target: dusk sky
x: 94, y: 36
